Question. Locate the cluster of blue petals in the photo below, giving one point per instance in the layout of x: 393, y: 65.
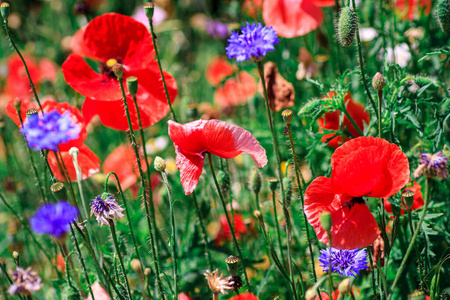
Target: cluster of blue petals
x: 253, y: 43
x: 54, y: 219
x: 50, y: 130
x: 344, y: 262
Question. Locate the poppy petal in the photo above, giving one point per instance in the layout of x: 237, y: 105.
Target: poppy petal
x: 218, y: 69
x: 188, y: 137
x: 17, y: 82
x: 324, y: 3
x: 24, y: 107
x: 78, y: 46
x: 236, y: 90
x: 190, y: 166
x: 245, y: 296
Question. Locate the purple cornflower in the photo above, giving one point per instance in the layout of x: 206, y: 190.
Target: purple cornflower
x: 54, y: 219
x: 253, y: 43
x: 50, y: 130
x: 217, y: 29
x: 344, y: 262
x: 432, y: 165
x: 25, y: 282
x: 105, y: 208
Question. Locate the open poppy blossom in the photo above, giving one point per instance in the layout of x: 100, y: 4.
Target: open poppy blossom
x: 362, y: 167
x: 331, y: 121
x: 417, y: 203
x: 324, y: 296
x: 193, y: 140
x: 224, y: 233
x: 236, y: 90
x: 109, y: 39
x: 412, y: 9
x: 292, y: 18
x: 218, y: 69
x: 245, y: 296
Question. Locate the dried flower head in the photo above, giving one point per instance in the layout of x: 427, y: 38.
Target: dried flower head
x: 432, y: 165
x: 25, y: 282
x: 105, y: 208
x: 217, y: 283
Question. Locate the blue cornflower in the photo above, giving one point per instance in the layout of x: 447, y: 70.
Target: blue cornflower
x: 54, y: 219
x: 344, y: 262
x: 50, y: 130
x: 253, y: 43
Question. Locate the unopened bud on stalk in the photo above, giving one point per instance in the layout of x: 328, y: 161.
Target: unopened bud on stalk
x: 147, y: 271
x: 232, y: 264
x: 257, y: 214
x: 443, y: 15
x: 325, y: 221
x: 273, y: 183
x: 59, y: 191
x: 15, y: 255
x: 149, y: 9
x: 408, y: 196
x: 132, y: 84
x: 17, y: 104
x: 345, y: 286
x: 118, y: 70
x: 135, y: 265
x: 255, y: 180
x: 32, y: 111
x: 287, y: 116
x: 74, y: 152
x: 159, y: 164
x: 4, y: 9
x: 347, y: 26
x: 378, y: 81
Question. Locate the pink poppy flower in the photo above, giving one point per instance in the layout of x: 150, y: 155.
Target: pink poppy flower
x: 99, y: 293
x: 193, y: 140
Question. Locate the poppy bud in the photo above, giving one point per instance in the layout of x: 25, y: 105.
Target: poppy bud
x: 287, y: 116
x: 118, y: 70
x: 31, y: 112
x: 347, y: 26
x: 257, y: 214
x: 255, y: 180
x: 149, y: 9
x: 345, y: 286
x: 159, y: 164
x: 17, y: 104
x: 74, y: 152
x: 4, y: 9
x: 147, y: 271
x: 132, y: 84
x: 232, y: 264
x: 408, y: 196
x: 59, y: 191
x: 311, y: 108
x: 417, y: 295
x: 325, y: 220
x: 135, y: 265
x: 443, y: 15
x: 273, y: 183
x: 378, y: 81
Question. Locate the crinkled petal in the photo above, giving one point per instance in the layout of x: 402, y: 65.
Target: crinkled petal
x: 190, y: 166
x: 237, y: 90
x: 188, y: 137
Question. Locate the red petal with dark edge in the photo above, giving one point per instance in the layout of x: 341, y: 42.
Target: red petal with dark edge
x: 87, y: 160
x: 353, y: 226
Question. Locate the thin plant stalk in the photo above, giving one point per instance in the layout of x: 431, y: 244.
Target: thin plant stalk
x: 80, y: 186
x: 63, y: 169
x: 372, y: 270
x: 112, y: 227
x: 222, y: 200
x: 380, y: 102
x: 414, y: 237
x: 275, y: 215
x: 203, y: 231
x: 5, y: 272
x: 152, y: 230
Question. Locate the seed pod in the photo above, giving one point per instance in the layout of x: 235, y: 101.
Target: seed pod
x: 4, y: 9
x: 132, y: 84
x: 59, y: 191
x: 118, y: 70
x: 273, y: 183
x: 347, y: 26
x: 232, y: 264
x: 443, y: 15
x: 408, y: 196
x: 287, y: 116
x: 149, y: 9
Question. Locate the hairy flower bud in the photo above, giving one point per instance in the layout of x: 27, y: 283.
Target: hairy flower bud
x: 443, y: 14
x: 325, y: 221
x: 118, y: 70
x: 149, y: 9
x: 311, y: 108
x: 345, y: 286
x: 159, y: 164
x: 74, y: 152
x: 287, y: 116
x: 255, y: 180
x: 132, y: 84
x: 4, y: 9
x: 378, y: 81
x: 347, y: 26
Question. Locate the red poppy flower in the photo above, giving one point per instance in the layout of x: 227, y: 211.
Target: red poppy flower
x: 60, y: 263
x: 193, y: 140
x: 109, y: 39
x: 183, y: 296
x: 17, y: 83
x: 236, y: 90
x: 99, y: 292
x: 224, y: 233
x: 24, y: 107
x: 334, y: 296
x: 417, y: 203
x: 245, y: 296
x: 292, y: 18
x: 122, y: 161
x: 412, y: 9
x: 324, y: 3
x: 362, y: 167
x: 218, y: 69
x: 331, y: 121
x: 251, y: 7
x: 88, y: 162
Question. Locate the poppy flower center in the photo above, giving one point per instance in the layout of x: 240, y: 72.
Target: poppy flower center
x: 355, y: 200
x: 106, y: 68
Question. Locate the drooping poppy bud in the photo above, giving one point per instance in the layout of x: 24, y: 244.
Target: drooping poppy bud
x: 255, y: 180
x: 345, y: 286
x: 443, y: 15
x: 347, y: 26
x: 378, y: 81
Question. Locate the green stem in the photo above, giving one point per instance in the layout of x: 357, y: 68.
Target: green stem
x: 152, y: 231
x: 63, y: 168
x: 416, y: 250
x: 380, y: 102
x: 219, y: 192
x: 372, y: 270
x: 349, y: 117
x: 203, y: 231
x: 275, y: 215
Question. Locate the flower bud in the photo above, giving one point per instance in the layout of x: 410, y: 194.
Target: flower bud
x: 149, y: 9
x: 159, y: 164
x: 59, y: 191
x: 255, y: 180
x: 443, y: 14
x: 132, y: 84
x: 408, y: 196
x: 311, y: 108
x: 325, y: 220
x: 17, y: 104
x: 32, y: 111
x: 287, y: 116
x: 417, y: 295
x: 347, y: 26
x: 273, y: 183
x: 118, y: 70
x: 4, y: 9
x: 345, y: 286
x: 74, y: 152
x: 378, y: 81
x: 232, y: 264
x: 257, y: 214
x: 135, y: 265
x: 147, y: 271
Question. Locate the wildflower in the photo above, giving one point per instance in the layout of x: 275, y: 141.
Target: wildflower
x: 217, y: 29
x: 193, y: 140
x: 412, y: 9
x: 216, y: 282
x: 50, y: 130
x: 110, y: 39
x: 331, y: 121
x: 224, y: 233
x: 105, y: 208
x: 432, y: 165
x: 236, y: 90
x: 344, y: 262
x: 54, y: 219
x: 418, y: 202
x: 245, y: 296
x: 99, y: 292
x: 253, y: 43
x: 362, y: 167
x: 25, y: 282
x: 218, y: 69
